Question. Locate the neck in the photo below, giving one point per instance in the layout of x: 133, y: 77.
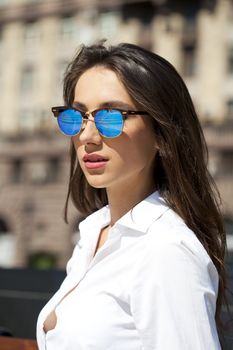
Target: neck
x: 121, y: 200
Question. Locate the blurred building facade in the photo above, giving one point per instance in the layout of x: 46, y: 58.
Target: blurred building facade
x: 37, y: 40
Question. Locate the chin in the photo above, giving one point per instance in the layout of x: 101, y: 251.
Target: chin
x: 96, y: 186
x: 96, y: 183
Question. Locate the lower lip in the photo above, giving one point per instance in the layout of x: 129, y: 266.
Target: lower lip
x: 95, y: 165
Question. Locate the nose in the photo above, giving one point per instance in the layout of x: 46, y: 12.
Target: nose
x: 89, y: 134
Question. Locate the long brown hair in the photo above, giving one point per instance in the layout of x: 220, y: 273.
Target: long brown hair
x: 181, y: 165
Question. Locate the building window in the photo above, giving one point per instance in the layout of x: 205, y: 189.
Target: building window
x: 108, y: 24
x: 87, y: 33
x: 230, y: 109
x: 43, y: 120
x: 39, y: 173
x: 230, y: 60
x: 28, y: 207
x: 27, y: 80
x: 144, y: 11
x: 168, y: 25
x: 68, y: 28
x: 54, y: 169
x: 190, y: 25
x: 189, y: 37
x: 226, y: 162
x: 27, y: 121
x: 31, y: 35
x: 189, y: 60
x: 17, y: 171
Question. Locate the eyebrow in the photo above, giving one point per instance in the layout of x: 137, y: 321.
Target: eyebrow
x: 107, y: 104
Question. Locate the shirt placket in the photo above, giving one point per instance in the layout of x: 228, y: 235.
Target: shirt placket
x: 111, y: 245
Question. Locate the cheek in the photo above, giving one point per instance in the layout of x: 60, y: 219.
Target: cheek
x: 137, y: 148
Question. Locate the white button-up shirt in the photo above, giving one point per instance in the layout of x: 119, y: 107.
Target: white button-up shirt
x: 150, y: 286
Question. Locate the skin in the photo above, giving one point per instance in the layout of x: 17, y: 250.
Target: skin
x: 128, y: 174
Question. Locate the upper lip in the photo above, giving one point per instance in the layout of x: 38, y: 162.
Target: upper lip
x: 93, y: 157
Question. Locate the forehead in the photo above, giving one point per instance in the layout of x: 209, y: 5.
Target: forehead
x: 98, y: 85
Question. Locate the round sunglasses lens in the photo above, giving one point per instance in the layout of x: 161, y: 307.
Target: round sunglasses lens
x: 70, y: 122
x: 109, y: 122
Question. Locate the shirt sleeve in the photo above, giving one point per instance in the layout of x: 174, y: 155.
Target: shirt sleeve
x: 173, y: 299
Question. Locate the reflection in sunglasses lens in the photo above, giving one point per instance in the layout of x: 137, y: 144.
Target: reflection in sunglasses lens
x: 109, y: 123
x: 70, y: 122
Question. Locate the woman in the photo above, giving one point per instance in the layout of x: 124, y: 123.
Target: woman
x: 148, y: 271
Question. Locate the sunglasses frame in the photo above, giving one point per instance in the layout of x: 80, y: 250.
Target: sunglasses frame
x: 85, y: 115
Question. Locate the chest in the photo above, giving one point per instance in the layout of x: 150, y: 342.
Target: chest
x: 97, y: 310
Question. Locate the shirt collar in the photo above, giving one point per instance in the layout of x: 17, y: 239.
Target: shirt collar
x: 94, y: 222
x: 139, y: 218
x: 144, y: 213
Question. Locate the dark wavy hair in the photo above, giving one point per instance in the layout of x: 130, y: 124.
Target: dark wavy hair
x: 181, y: 172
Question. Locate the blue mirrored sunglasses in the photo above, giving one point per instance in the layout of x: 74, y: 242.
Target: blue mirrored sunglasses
x: 109, y: 122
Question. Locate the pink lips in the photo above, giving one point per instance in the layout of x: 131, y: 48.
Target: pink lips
x: 94, y: 161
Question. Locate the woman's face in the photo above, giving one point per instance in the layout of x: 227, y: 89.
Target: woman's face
x: 128, y: 157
